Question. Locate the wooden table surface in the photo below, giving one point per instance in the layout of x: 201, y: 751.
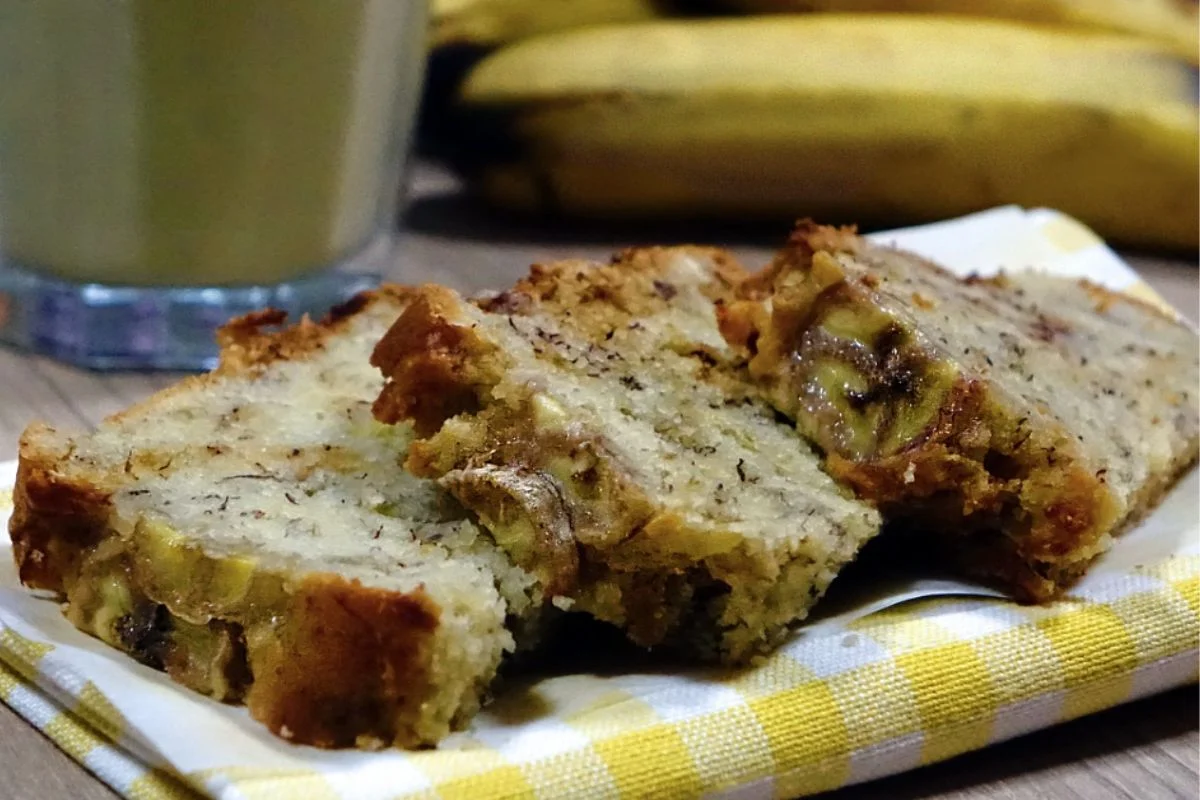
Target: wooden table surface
x: 1146, y: 749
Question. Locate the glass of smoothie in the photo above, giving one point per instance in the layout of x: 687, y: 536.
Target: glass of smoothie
x: 167, y: 164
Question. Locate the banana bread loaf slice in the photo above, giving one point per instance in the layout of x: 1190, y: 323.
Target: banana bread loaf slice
x: 249, y: 532
x: 1026, y: 417
x: 596, y: 421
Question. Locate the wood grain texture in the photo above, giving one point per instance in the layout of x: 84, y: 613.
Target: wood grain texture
x: 1146, y: 749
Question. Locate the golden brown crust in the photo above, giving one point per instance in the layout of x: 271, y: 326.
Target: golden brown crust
x: 433, y: 362
x: 349, y: 663
x: 54, y: 518
x: 259, y: 338
x: 807, y: 237
x: 632, y: 283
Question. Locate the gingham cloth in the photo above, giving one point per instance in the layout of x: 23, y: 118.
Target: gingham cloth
x: 857, y: 696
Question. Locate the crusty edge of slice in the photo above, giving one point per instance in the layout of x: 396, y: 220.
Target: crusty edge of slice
x: 435, y: 365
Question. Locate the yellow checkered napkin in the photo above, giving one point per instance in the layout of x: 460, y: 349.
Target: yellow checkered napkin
x: 881, y: 687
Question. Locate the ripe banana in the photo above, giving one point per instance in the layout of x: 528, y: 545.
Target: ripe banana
x: 1172, y: 22
x: 491, y: 22
x: 865, y: 118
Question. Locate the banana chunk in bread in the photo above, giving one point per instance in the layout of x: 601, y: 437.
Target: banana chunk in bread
x: 1027, y: 417
x: 249, y: 532
x: 596, y: 421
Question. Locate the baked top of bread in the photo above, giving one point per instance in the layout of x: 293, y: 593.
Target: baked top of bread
x: 1030, y: 416
x: 250, y: 532
x: 598, y: 423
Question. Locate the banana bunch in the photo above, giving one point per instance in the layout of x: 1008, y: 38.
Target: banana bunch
x: 492, y: 22
x: 1174, y: 23
x: 857, y: 117
x: 460, y: 31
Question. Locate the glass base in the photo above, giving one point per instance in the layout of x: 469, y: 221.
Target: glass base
x: 137, y: 327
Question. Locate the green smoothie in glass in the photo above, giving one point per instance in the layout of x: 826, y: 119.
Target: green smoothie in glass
x: 211, y: 143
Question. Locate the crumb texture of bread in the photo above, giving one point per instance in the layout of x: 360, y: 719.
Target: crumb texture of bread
x: 597, y: 422
x: 1026, y: 416
x: 251, y: 533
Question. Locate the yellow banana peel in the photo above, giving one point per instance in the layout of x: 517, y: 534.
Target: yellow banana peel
x: 1172, y: 22
x: 492, y: 22
x: 869, y: 118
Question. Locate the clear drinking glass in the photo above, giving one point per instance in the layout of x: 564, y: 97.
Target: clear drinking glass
x: 166, y: 164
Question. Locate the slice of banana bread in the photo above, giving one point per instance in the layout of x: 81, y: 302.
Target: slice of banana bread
x: 249, y: 532
x: 599, y: 425
x: 1026, y: 417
